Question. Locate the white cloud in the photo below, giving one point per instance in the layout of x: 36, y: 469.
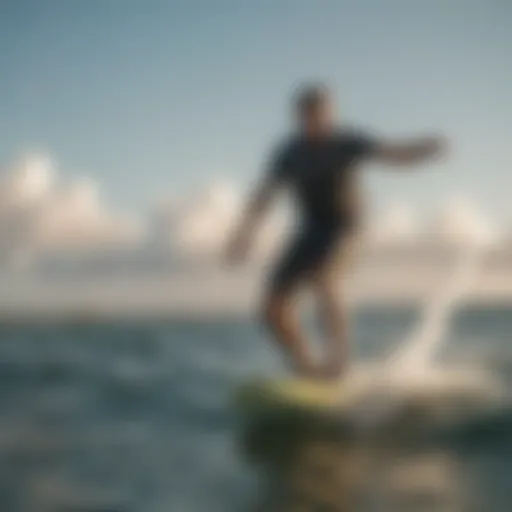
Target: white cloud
x: 27, y: 182
x: 45, y: 218
x: 200, y: 225
x: 42, y: 217
x: 397, y: 223
x: 460, y: 221
x: 457, y: 221
x: 205, y: 221
x: 75, y: 216
x: 40, y: 214
x: 64, y: 227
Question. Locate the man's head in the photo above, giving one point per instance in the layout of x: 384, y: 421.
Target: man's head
x: 314, y: 109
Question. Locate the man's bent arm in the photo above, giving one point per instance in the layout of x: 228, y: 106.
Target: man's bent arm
x: 259, y: 203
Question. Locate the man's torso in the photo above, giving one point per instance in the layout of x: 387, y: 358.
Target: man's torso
x: 321, y: 175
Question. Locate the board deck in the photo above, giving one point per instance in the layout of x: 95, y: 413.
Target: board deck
x: 291, y: 393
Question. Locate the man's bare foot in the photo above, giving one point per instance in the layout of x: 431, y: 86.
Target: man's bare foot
x: 320, y: 372
x: 308, y: 371
x: 332, y: 371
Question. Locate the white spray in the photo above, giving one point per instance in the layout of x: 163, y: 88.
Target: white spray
x: 420, y: 349
x: 413, y: 366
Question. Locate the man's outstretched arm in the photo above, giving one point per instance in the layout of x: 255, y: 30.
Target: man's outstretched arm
x: 410, y: 151
x: 259, y: 203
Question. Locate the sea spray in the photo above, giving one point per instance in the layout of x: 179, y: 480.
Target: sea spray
x: 412, y: 372
x: 419, y: 350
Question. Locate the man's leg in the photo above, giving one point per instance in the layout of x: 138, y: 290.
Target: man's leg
x: 281, y: 317
x: 334, y: 323
x: 333, y: 313
x: 281, y: 309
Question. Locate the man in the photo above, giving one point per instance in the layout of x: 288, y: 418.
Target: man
x: 318, y: 164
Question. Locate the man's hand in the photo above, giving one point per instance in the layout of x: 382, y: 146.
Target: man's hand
x: 436, y: 147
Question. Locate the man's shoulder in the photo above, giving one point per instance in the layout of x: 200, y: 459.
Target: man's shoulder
x: 288, y: 143
x: 348, y: 133
x: 357, y: 141
x: 286, y: 148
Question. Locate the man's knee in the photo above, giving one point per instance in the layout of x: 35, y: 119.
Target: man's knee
x: 275, y: 310
x: 328, y: 294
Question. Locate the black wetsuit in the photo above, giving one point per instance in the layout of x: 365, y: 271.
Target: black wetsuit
x: 321, y: 176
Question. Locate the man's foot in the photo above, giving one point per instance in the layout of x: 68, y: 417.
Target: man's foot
x: 328, y: 372
x: 332, y: 371
x: 307, y: 370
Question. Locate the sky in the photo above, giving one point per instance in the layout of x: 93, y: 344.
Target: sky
x: 152, y: 98
x: 138, y: 104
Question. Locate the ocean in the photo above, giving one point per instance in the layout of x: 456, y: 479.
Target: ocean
x: 134, y: 416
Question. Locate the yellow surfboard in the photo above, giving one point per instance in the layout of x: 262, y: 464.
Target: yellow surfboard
x: 293, y: 393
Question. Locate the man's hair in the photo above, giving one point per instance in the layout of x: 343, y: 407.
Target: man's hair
x: 309, y: 97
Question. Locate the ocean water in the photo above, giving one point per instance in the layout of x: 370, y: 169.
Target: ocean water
x: 121, y: 417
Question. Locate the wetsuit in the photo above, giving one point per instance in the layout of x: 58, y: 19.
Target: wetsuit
x: 321, y: 177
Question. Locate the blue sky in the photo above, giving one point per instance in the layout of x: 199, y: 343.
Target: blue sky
x: 154, y: 97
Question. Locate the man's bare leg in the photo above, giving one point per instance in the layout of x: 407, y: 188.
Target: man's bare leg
x: 334, y: 324
x: 333, y: 313
x: 282, y: 319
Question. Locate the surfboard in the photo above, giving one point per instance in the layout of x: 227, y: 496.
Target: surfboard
x: 292, y: 393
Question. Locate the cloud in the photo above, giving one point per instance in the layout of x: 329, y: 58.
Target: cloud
x: 47, y: 221
x: 460, y: 221
x: 199, y: 226
x: 40, y: 214
x: 397, y: 223
x: 204, y: 222
x: 75, y: 216
x: 46, y: 218
x: 54, y: 228
x: 27, y: 181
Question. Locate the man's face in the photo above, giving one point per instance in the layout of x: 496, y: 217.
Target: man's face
x: 318, y: 118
